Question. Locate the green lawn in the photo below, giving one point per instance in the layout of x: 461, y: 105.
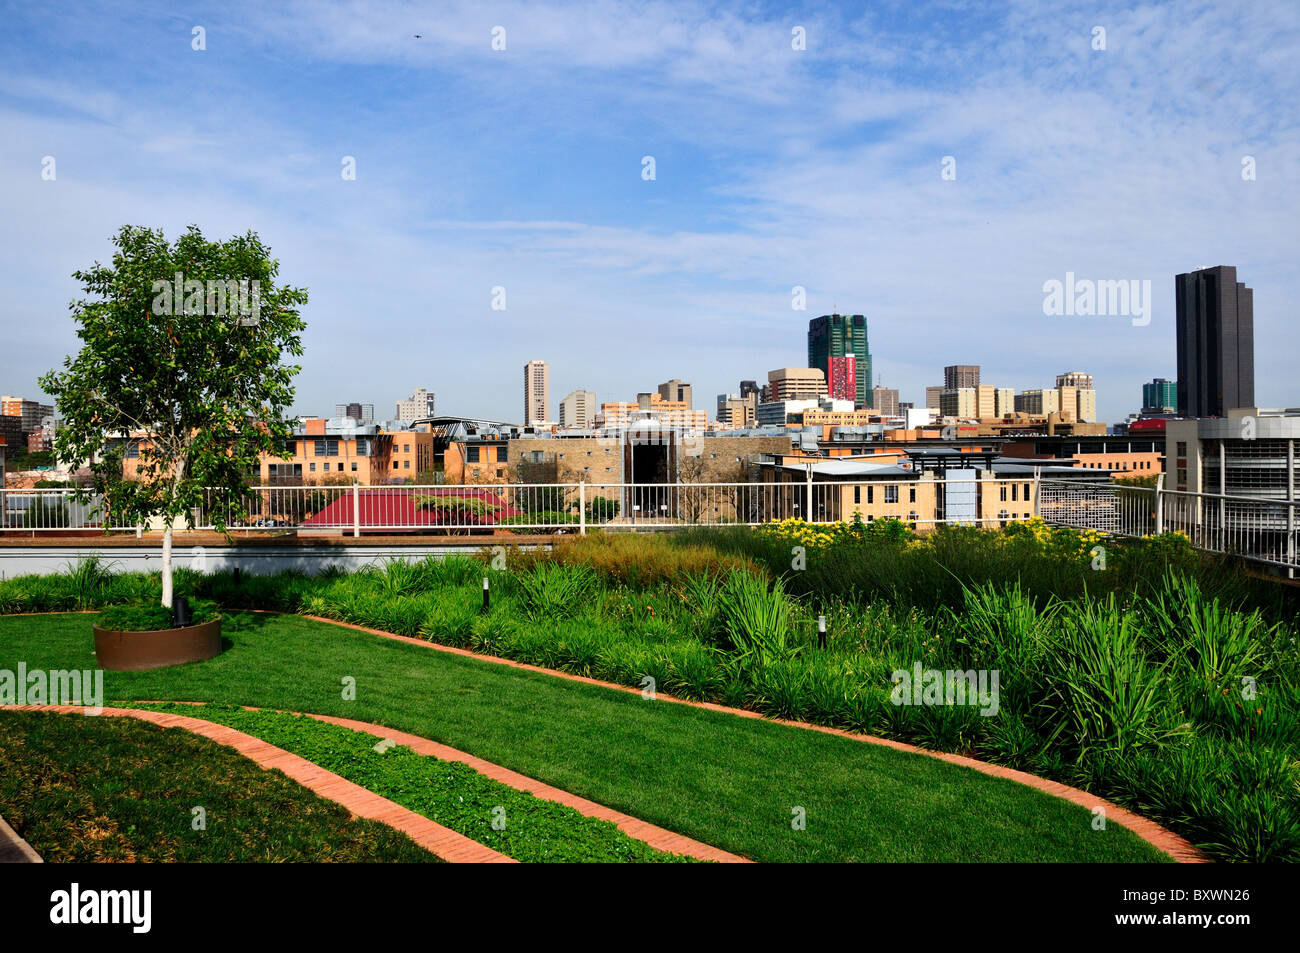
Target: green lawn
x: 728, y: 781
x: 82, y: 789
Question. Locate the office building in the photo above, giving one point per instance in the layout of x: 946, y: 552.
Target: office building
x: 578, y: 409
x: 932, y: 396
x: 650, y: 406
x: 957, y: 376
x: 1216, y: 342
x: 838, y: 335
x: 1004, y: 402
x: 419, y: 405
x: 884, y: 401
x: 1160, y: 397
x: 1038, y: 402
x: 799, y: 383
x: 736, y: 411
x: 537, y: 387
x: 675, y: 390
x: 749, y: 387
x: 959, y: 402
x: 365, y: 413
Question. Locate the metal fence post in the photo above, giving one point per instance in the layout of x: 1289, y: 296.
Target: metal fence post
x: 1038, y: 488
x: 582, y: 507
x: 1160, y: 503
x: 808, y: 496
x: 356, y: 509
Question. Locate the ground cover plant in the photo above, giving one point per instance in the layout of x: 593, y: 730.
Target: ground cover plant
x: 454, y: 795
x: 1156, y: 676
x: 85, y: 790
x: 731, y: 782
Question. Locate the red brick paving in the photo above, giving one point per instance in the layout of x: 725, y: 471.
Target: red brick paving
x: 442, y: 841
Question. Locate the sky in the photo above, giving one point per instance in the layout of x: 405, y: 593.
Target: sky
x: 929, y: 165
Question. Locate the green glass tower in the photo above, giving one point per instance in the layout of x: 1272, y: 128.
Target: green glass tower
x: 837, y: 335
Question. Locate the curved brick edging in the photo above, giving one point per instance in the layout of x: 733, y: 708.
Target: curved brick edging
x: 442, y: 841
x: 657, y: 837
x: 1163, y: 839
x: 15, y: 850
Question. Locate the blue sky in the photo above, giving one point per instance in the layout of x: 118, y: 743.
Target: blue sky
x: 775, y: 168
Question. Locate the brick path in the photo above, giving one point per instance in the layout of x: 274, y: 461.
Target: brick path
x: 442, y: 841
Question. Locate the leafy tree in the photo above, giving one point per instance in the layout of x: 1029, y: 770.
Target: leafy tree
x: 203, y: 389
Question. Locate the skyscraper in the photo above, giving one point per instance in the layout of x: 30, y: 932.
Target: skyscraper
x: 676, y: 390
x: 1216, y: 342
x: 537, y: 385
x: 843, y: 381
x: 421, y: 403
x: 836, y: 335
x: 1160, y: 397
x: 958, y: 376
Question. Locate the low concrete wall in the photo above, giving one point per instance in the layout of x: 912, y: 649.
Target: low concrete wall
x: 256, y: 560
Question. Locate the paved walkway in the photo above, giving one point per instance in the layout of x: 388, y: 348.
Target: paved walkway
x: 15, y: 850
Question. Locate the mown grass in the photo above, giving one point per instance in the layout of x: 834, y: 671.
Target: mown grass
x: 728, y: 781
x: 454, y: 795
x: 82, y: 789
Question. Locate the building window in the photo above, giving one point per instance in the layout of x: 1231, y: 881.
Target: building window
x: 871, y: 495
x: 1013, y: 493
x: 1004, y: 492
x: 312, y: 466
x: 1026, y: 492
x: 327, y: 448
x: 471, y: 455
x: 1180, y: 448
x: 406, y: 464
x: 354, y: 466
x: 911, y: 497
x: 857, y: 494
x: 363, y: 447
x: 891, y: 494
x: 406, y: 448
x: 394, y: 464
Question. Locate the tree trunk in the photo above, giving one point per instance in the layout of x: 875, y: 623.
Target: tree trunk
x: 167, y: 567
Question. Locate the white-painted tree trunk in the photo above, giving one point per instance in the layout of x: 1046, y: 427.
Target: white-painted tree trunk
x: 167, y: 567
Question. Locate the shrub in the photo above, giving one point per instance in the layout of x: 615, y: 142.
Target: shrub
x: 150, y: 618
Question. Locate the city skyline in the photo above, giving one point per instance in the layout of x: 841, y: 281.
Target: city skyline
x: 751, y: 140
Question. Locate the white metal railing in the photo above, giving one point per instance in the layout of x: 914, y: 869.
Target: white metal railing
x: 1259, y: 529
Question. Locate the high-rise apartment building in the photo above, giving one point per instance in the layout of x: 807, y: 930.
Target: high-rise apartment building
x: 986, y: 401
x: 1004, y: 402
x: 578, y: 409
x: 798, y: 383
x: 838, y: 335
x: 956, y: 376
x: 1216, y: 342
x: 675, y: 390
x: 1077, y: 379
x: 884, y: 400
x: 419, y: 404
x: 537, y: 388
x: 33, y: 413
x: 1160, y: 397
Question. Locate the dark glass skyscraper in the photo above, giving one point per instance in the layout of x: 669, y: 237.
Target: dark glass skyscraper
x: 836, y: 335
x: 1216, y: 342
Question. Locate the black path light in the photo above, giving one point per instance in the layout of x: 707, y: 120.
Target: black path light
x: 486, y: 597
x: 821, y: 631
